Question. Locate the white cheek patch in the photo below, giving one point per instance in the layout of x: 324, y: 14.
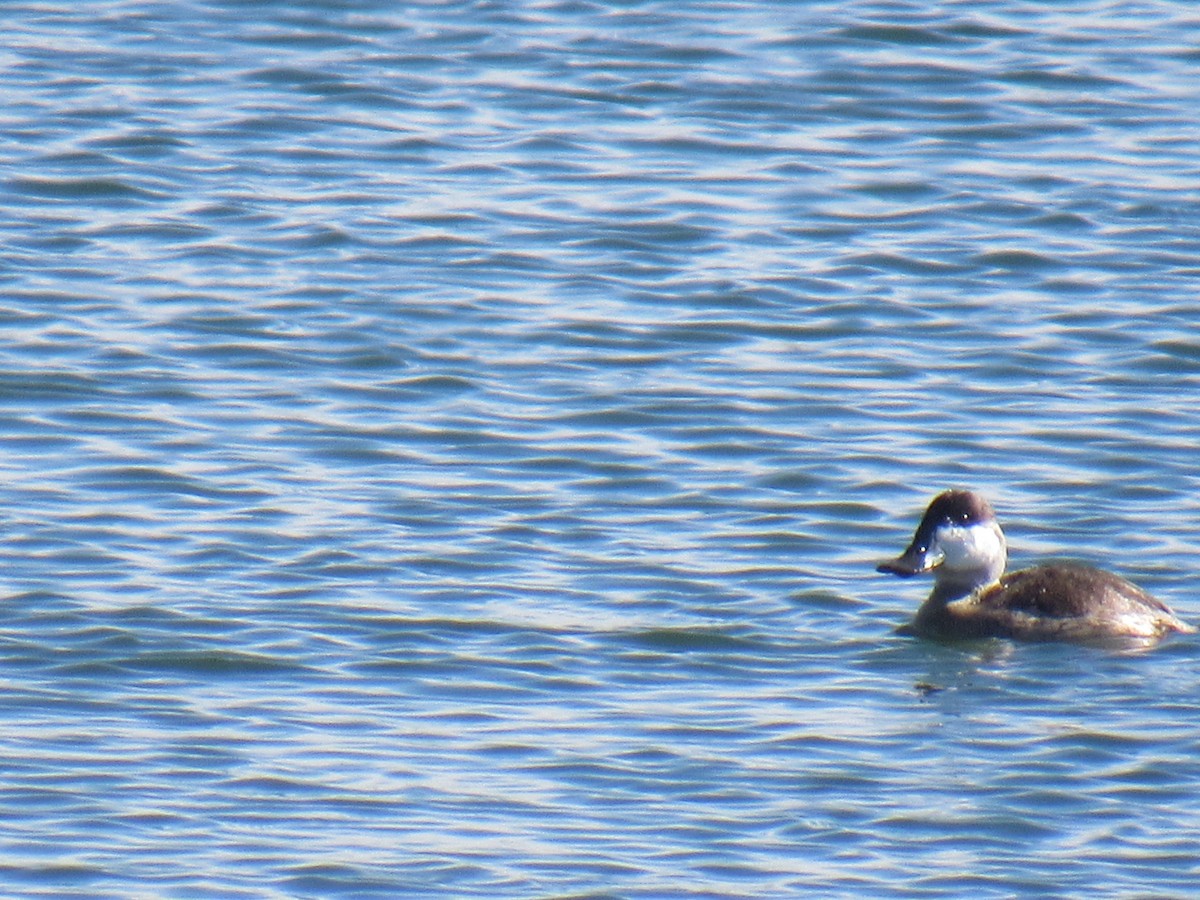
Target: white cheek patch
x: 968, y: 546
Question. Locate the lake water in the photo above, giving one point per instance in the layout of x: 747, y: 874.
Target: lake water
x: 446, y: 447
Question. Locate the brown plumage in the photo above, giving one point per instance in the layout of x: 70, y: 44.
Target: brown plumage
x: 961, y: 542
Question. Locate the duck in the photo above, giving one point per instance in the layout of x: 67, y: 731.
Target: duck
x: 960, y: 541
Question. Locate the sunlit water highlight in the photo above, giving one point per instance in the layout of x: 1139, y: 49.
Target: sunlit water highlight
x: 447, y: 446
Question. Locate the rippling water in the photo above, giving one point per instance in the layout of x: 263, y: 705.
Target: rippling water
x: 447, y: 446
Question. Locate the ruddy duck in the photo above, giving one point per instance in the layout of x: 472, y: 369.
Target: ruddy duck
x: 960, y: 540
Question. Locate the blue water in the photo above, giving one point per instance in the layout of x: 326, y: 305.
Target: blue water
x: 446, y: 447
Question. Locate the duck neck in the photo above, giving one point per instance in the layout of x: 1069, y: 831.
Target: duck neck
x: 954, y: 586
x: 937, y: 616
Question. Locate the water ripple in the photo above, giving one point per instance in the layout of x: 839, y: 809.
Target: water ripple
x: 472, y: 429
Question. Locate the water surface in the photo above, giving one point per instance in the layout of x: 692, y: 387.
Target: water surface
x: 447, y: 447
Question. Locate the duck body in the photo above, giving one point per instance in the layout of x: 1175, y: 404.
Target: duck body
x: 961, y: 542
